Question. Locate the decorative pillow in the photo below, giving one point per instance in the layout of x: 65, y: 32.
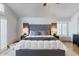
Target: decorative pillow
x: 32, y: 33
x: 39, y: 33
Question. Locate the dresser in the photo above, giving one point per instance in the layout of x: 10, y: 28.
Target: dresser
x: 76, y: 39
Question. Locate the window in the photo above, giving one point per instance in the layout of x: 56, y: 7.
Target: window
x: 62, y: 29
x: 3, y: 32
x: 3, y: 28
x: 59, y: 29
x: 1, y: 8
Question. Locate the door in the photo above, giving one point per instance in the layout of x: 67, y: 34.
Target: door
x: 3, y: 40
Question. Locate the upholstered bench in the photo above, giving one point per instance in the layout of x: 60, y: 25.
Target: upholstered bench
x: 40, y: 52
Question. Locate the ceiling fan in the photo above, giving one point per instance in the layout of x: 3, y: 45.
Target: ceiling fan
x: 44, y: 4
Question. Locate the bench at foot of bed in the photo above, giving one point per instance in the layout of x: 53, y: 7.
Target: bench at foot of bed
x: 40, y: 52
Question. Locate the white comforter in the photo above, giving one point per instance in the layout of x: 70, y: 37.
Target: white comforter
x: 40, y: 44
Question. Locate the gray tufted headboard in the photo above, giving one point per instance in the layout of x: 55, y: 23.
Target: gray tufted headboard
x: 39, y: 29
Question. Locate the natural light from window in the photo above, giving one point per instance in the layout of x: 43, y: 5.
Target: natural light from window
x: 3, y: 40
x: 62, y: 29
x: 1, y: 7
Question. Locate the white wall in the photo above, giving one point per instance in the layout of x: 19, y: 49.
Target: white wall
x: 34, y: 20
x: 37, y: 20
x: 11, y: 25
x: 40, y: 20
x: 73, y: 25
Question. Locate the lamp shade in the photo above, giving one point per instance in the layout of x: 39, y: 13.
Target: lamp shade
x: 53, y: 28
x: 25, y: 28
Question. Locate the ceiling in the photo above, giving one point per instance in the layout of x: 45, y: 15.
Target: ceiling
x: 38, y: 10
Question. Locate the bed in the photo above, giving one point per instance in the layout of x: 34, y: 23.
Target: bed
x: 40, y: 43
x: 35, y: 48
